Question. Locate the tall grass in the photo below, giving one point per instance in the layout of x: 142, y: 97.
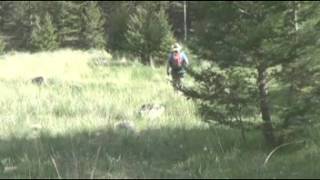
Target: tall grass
x: 66, y: 129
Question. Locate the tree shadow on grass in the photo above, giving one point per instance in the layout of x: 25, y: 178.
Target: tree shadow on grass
x: 110, y: 153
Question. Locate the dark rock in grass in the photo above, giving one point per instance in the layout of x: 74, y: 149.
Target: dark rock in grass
x: 38, y: 80
x: 126, y: 125
x: 151, y: 111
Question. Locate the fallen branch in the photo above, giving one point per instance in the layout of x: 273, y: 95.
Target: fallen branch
x: 55, y: 166
x: 277, y: 148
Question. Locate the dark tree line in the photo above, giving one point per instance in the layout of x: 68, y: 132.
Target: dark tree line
x: 145, y: 29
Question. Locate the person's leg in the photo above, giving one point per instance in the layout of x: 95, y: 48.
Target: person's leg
x: 177, y: 78
x: 180, y: 76
x: 177, y: 82
x: 174, y: 82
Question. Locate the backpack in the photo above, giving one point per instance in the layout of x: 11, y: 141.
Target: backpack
x: 176, y: 61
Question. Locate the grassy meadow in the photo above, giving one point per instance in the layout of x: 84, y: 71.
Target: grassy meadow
x: 67, y: 127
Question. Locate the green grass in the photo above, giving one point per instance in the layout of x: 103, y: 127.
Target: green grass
x: 67, y: 129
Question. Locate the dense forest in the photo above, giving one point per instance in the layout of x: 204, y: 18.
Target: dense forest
x: 251, y: 60
x: 130, y: 27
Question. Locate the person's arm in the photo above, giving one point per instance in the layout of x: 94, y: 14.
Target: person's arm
x: 186, y: 60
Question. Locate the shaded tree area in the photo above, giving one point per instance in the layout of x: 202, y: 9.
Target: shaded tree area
x: 111, y: 25
x: 249, y: 47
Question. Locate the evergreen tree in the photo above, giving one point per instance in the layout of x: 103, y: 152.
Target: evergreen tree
x: 92, y: 34
x: 176, y: 17
x: 7, y: 21
x: 3, y: 6
x: 299, y: 78
x: 43, y: 35
x: 17, y: 20
x: 250, y: 35
x: 24, y: 23
x: 149, y: 33
x: 2, y: 45
x: 116, y: 27
x: 69, y: 24
x: 16, y: 23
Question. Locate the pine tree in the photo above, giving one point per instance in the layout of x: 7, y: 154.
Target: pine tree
x: 69, y: 24
x: 255, y: 37
x: 118, y: 18
x: 17, y: 20
x: 7, y: 20
x: 43, y: 35
x: 300, y: 76
x: 2, y: 45
x: 24, y: 23
x: 92, y: 34
x: 3, y: 6
x: 16, y: 23
x: 149, y: 33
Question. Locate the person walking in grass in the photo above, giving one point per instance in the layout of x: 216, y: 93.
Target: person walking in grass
x: 177, y: 62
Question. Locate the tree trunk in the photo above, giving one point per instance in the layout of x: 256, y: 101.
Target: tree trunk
x: 292, y: 91
x: 151, y: 62
x: 296, y: 7
x: 145, y: 59
x: 185, y: 20
x: 264, y: 107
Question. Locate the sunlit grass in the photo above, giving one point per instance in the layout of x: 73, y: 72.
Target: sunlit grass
x: 64, y: 64
x: 67, y: 128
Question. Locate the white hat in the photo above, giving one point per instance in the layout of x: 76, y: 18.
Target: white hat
x: 176, y: 47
